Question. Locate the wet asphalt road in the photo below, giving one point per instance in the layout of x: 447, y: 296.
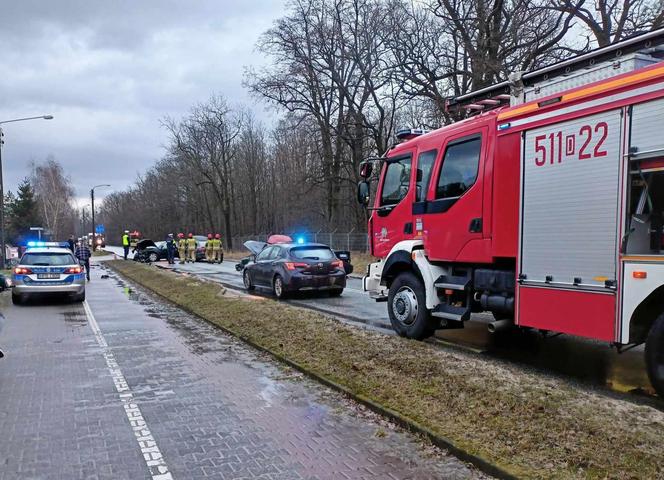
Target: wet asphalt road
x: 595, y: 363
x: 126, y: 387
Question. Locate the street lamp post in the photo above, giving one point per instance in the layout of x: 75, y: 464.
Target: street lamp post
x: 3, y: 254
x: 92, y: 207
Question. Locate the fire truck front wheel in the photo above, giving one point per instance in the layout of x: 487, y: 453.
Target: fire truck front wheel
x: 407, y: 307
x: 655, y: 355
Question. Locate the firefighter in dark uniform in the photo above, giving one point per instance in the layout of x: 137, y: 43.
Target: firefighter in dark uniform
x: 170, y: 249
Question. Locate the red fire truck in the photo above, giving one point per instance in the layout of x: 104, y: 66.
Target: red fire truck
x: 545, y: 207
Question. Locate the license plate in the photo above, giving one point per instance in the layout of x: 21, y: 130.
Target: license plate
x: 48, y: 276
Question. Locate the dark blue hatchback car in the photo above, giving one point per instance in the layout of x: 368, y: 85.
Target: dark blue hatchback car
x: 288, y: 267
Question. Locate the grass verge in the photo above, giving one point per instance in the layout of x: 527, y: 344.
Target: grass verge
x: 101, y: 253
x: 526, y: 424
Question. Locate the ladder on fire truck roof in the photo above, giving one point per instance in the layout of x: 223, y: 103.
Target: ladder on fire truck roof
x: 620, y: 57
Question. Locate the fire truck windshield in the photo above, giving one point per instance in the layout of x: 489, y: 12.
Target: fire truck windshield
x: 397, y: 180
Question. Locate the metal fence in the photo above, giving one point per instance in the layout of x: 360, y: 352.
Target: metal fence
x: 355, y: 241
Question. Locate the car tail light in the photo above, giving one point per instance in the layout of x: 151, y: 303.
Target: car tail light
x: 22, y: 271
x: 74, y: 270
x: 294, y: 265
x: 339, y: 264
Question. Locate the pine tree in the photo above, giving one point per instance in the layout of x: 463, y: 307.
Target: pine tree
x: 23, y: 213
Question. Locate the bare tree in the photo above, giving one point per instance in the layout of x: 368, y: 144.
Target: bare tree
x: 612, y: 20
x: 205, y: 141
x: 54, y: 195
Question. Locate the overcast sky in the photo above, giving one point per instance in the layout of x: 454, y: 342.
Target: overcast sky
x: 110, y: 70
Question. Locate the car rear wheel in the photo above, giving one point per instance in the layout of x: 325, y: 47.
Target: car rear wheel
x: 655, y: 355
x: 153, y: 257
x: 278, y: 287
x: 78, y: 298
x: 407, y: 308
x: 17, y: 298
x: 246, y: 279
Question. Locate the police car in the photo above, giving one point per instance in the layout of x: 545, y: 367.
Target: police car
x: 48, y: 268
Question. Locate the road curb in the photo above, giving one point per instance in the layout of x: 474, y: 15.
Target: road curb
x: 436, y: 439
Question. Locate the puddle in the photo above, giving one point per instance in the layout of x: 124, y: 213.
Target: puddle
x: 75, y: 318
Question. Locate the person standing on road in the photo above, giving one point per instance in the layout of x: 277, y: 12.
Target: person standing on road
x: 191, y: 248
x: 125, y: 243
x: 72, y: 243
x: 208, y: 249
x: 182, y: 248
x: 170, y: 249
x: 216, y: 248
x: 83, y: 254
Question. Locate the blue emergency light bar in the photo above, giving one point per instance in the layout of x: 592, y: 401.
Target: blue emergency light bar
x: 33, y: 244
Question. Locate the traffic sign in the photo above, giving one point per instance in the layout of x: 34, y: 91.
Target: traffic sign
x: 100, y: 228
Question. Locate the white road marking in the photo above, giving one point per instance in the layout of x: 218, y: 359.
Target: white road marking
x: 148, y: 445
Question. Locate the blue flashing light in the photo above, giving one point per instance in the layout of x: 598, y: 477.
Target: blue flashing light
x: 300, y: 240
x: 33, y: 244
x: 504, y: 126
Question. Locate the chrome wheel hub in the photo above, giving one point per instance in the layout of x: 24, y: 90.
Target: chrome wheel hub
x: 404, y: 306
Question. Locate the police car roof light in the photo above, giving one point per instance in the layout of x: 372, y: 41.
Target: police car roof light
x: 33, y: 244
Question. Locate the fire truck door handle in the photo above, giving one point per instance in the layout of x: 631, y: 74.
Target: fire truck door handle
x: 475, y: 225
x: 384, y: 211
x: 408, y: 228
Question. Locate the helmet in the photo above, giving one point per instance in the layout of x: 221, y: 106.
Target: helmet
x: 180, y: 235
x: 209, y: 236
x: 170, y: 235
x: 126, y: 231
x: 217, y: 236
x: 191, y: 235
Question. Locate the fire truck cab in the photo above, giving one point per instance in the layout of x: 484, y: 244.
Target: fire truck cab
x: 547, y: 211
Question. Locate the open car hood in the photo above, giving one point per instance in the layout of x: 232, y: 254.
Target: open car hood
x: 254, y: 247
x: 145, y: 243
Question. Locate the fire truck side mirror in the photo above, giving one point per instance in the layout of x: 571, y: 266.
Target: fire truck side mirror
x: 363, y: 193
x: 365, y: 169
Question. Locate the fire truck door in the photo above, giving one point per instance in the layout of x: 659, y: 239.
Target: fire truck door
x: 392, y: 218
x: 569, y: 225
x: 454, y: 208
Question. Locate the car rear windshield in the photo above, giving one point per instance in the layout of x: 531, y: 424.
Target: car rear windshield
x: 312, y: 253
x: 47, y: 259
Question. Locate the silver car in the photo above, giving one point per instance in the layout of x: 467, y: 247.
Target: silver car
x: 47, y: 269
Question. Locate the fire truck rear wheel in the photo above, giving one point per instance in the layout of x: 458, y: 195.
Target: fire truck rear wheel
x: 655, y: 355
x: 407, y: 307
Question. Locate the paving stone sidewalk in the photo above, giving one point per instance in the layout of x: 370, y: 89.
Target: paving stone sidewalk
x: 215, y: 408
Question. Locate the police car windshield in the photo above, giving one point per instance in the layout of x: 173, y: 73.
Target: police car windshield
x: 46, y: 259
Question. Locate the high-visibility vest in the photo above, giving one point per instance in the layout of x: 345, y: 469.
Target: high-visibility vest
x: 216, y: 244
x: 125, y: 240
x: 191, y: 243
x: 182, y: 244
x: 209, y: 244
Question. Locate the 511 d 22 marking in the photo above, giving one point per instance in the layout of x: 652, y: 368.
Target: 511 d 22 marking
x: 549, y: 148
